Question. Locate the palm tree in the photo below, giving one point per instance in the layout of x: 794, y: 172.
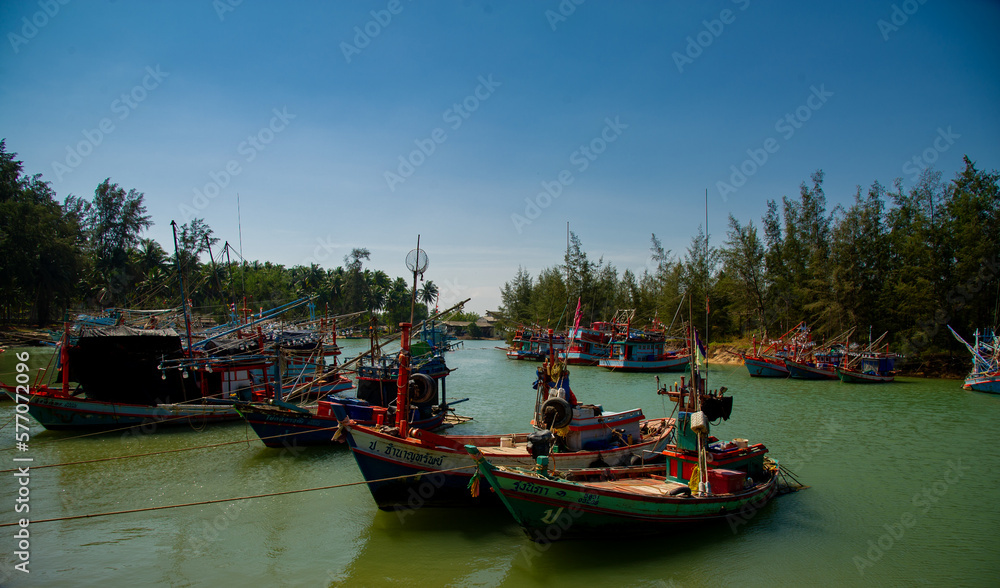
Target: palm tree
x: 428, y: 293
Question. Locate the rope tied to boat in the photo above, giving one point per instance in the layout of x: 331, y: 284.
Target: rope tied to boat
x: 234, y: 499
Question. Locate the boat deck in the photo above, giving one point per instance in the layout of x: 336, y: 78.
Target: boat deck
x: 517, y: 449
x: 647, y: 486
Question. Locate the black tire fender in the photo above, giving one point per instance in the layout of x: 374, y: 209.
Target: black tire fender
x: 561, y: 408
x: 423, y: 388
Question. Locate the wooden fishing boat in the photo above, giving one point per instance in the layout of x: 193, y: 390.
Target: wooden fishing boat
x: 58, y: 412
x: 530, y: 344
x: 641, y: 356
x: 408, y: 468
x: 641, y: 350
x: 280, y: 424
x: 983, y: 382
x: 812, y: 362
x: 985, y: 373
x: 811, y: 370
x: 124, y: 376
x: 702, y: 479
x: 588, y: 345
x: 869, y: 365
x: 767, y: 359
x: 551, y: 505
x: 870, y: 368
x: 765, y: 366
x: 815, y: 365
x: 121, y: 382
x: 423, y: 468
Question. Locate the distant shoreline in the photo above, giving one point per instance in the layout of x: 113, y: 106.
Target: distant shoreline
x: 940, y: 366
x: 935, y: 366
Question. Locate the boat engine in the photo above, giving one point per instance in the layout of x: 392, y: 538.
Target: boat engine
x: 540, y: 442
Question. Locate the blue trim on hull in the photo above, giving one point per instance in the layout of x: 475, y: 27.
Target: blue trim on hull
x: 989, y: 386
x: 435, y: 489
x: 807, y: 374
x: 763, y: 370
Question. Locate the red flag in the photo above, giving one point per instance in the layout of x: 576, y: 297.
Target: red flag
x: 576, y: 321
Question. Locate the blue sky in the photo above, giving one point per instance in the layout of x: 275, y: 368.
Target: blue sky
x: 486, y: 126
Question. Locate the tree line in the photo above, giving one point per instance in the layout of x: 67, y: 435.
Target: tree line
x: 903, y: 261
x: 87, y: 255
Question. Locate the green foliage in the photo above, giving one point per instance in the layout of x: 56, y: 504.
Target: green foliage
x: 41, y: 260
x: 907, y: 262
x: 462, y: 316
x: 90, y: 254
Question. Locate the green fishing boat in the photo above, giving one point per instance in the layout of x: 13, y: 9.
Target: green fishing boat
x: 696, y: 478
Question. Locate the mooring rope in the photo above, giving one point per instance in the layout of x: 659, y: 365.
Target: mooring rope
x: 103, y: 432
x: 204, y: 502
x: 99, y: 459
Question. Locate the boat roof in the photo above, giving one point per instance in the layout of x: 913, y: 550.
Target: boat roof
x: 123, y: 331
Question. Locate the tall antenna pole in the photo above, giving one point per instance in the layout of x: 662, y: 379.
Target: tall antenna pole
x: 413, y: 298
x: 708, y: 271
x: 239, y: 224
x: 569, y: 296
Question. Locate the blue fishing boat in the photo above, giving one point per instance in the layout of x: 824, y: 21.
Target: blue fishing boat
x: 817, y: 363
x: 869, y: 366
x: 532, y: 344
x: 641, y: 350
x: 588, y: 345
x: 766, y: 359
x: 281, y: 424
x: 401, y: 463
x: 699, y: 479
x: 985, y: 373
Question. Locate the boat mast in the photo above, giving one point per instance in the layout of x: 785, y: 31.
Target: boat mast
x: 403, y: 383
x: 413, y: 298
x: 707, y: 271
x: 696, y: 387
x: 569, y: 296
x: 180, y: 278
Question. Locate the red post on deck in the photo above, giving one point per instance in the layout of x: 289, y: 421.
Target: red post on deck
x: 64, y: 359
x: 552, y: 356
x: 403, y: 383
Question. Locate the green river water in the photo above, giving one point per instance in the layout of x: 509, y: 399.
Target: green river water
x: 903, y: 482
